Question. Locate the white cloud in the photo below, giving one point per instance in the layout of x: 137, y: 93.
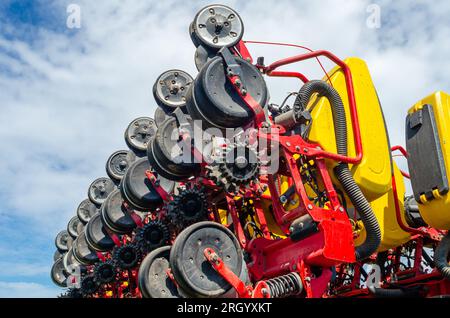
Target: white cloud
x: 26, y: 290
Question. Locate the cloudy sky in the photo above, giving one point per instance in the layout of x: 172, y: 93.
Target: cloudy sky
x: 66, y: 95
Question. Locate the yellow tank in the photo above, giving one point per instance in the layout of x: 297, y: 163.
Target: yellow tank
x: 374, y: 173
x: 427, y: 140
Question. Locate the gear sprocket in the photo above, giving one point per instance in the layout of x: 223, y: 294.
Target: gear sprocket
x: 188, y: 207
x: 153, y: 235
x: 89, y: 286
x: 237, y: 166
x: 126, y: 256
x: 105, y: 273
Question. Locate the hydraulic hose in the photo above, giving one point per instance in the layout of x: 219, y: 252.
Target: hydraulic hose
x: 394, y: 293
x: 441, y: 256
x: 342, y: 171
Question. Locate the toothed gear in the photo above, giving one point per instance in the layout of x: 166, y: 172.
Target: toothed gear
x: 238, y: 166
x: 188, y: 207
x: 88, y: 285
x: 105, y: 273
x: 126, y: 256
x: 153, y: 235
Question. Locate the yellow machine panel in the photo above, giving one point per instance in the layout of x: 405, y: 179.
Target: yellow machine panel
x: 373, y: 174
x: 384, y: 208
x: 427, y: 140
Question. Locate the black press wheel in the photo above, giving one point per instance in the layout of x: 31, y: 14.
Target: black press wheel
x: 75, y: 227
x: 81, y: 251
x: 170, y: 89
x: 63, y: 241
x: 153, y: 280
x: 167, y: 157
x: 86, y: 210
x: 100, y: 189
x: 138, y: 190
x: 115, y: 216
x: 138, y: 134
x: 58, y: 273
x: 97, y: 237
x: 217, y: 26
x: 190, y: 268
x: 214, y: 100
x: 118, y: 163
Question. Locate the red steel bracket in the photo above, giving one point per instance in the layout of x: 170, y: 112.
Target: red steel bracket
x: 217, y: 263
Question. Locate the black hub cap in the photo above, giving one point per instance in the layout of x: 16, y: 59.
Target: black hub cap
x: 100, y: 189
x: 139, y: 133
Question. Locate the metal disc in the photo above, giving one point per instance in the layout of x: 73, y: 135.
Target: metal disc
x: 97, y: 237
x: 171, y: 87
x: 57, y: 273
x: 118, y: 163
x: 152, y: 277
x: 69, y: 261
x: 167, y: 157
x: 126, y: 256
x: 100, y: 189
x: 160, y: 116
x: 81, y: 251
x: 218, y: 26
x: 63, y: 241
x: 115, y: 216
x: 202, y: 56
x: 57, y: 255
x: 74, y: 226
x: 194, y: 38
x: 86, y: 210
x: 139, y: 132
x: 191, y: 269
x: 215, y: 101
x: 138, y: 191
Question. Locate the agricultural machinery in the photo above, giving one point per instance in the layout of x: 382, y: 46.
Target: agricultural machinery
x: 227, y: 194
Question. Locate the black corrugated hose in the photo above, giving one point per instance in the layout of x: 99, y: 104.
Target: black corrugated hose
x: 342, y: 171
x: 441, y: 256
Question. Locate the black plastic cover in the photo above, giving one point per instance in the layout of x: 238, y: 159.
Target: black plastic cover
x: 426, y: 162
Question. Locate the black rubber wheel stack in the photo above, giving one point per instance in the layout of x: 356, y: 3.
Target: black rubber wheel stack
x: 216, y: 26
x: 192, y: 271
x: 167, y: 157
x: 160, y: 116
x: 100, y: 189
x: 69, y: 262
x: 170, y: 90
x: 138, y: 134
x: 115, y: 216
x: 202, y: 56
x: 215, y: 101
x: 63, y: 241
x: 153, y: 281
x: 57, y: 255
x: 58, y: 274
x: 86, y: 210
x: 97, y: 237
x: 138, y: 191
x: 81, y: 251
x: 75, y: 227
x: 118, y: 163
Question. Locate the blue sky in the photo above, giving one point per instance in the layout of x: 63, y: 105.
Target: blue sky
x: 66, y: 95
